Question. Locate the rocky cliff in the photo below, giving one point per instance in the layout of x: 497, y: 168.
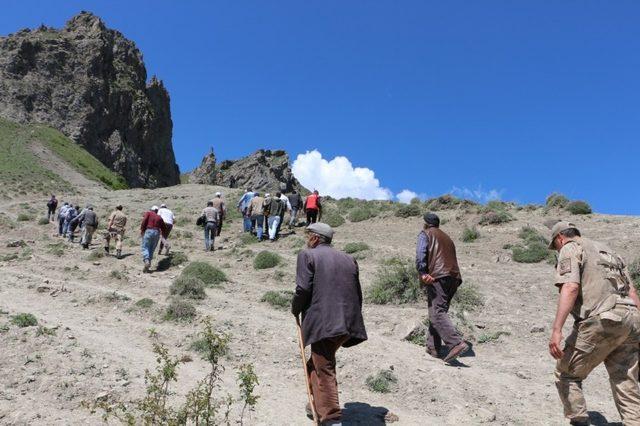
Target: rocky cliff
x: 263, y: 170
x: 90, y: 83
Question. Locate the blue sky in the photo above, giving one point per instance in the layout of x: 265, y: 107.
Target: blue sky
x: 523, y: 98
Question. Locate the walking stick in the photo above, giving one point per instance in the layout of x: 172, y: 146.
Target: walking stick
x: 306, y: 373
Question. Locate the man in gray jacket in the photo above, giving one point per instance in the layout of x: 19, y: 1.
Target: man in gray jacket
x: 89, y: 220
x: 329, y: 296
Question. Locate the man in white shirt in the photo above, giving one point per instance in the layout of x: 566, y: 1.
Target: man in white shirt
x: 168, y: 217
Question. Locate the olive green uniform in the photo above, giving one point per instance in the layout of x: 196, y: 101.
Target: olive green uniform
x: 607, y: 329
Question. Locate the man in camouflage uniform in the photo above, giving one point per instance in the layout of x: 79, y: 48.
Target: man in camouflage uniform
x: 595, y: 287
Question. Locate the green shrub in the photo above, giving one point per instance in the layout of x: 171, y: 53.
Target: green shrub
x: 145, y: 303
x: 190, y: 287
x: 266, y: 259
x: 495, y: 217
x: 529, y: 234
x: 8, y: 257
x: 116, y: 297
x: 468, y: 298
x: 382, y: 382
x: 556, y: 200
x: 332, y: 218
x: 95, y: 255
x: 408, y: 210
x: 248, y: 238
x: 172, y: 260
x: 278, y: 299
x: 361, y: 213
x: 447, y: 202
x: 23, y: 217
x: 180, y: 310
x: 470, y: 234
x: 355, y: 247
x: 531, y: 252
x: 204, y: 346
x: 578, y: 207
x: 418, y: 336
x: 208, y: 274
x: 43, y: 221
x: 490, y: 337
x: 24, y: 320
x: 396, y: 281
x: 45, y: 331
x: 116, y: 274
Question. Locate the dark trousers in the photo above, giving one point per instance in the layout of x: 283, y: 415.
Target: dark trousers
x: 441, y: 328
x: 312, y: 216
x: 322, y: 376
x: 219, y: 228
x: 51, y: 213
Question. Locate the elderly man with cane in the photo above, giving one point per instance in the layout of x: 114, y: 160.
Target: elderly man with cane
x: 329, y: 297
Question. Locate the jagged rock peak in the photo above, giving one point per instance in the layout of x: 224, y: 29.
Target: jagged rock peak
x: 90, y: 82
x: 263, y: 170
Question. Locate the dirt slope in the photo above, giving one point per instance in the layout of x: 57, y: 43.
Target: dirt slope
x: 102, y: 343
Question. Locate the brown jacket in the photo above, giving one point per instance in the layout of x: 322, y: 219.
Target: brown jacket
x: 437, y: 252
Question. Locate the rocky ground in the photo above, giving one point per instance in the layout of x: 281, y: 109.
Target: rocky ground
x: 96, y: 344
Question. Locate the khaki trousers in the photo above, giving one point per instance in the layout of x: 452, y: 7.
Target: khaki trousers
x: 322, y: 375
x: 87, y: 234
x: 117, y: 235
x: 611, y: 337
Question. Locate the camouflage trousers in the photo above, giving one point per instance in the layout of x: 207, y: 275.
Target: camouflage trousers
x: 611, y: 337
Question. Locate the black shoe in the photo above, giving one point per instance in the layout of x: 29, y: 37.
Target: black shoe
x: 118, y: 254
x: 106, y: 250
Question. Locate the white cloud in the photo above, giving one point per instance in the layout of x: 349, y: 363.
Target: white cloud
x: 478, y: 194
x: 405, y: 196
x: 338, y: 178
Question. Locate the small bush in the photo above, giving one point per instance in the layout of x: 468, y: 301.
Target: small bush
x: 532, y: 252
x: 145, y: 303
x: 469, y: 234
x: 361, y: 213
x: 529, y: 234
x: 23, y: 217
x: 248, y: 238
x: 180, y: 310
x: 355, y: 247
x: 95, y: 255
x: 634, y: 272
x: 556, y: 200
x: 333, y: 218
x: 190, y: 287
x: 467, y: 298
x: 490, y: 337
x: 116, y: 274
x: 56, y: 249
x: 43, y: 221
x: 408, y: 210
x: 8, y: 257
x: 278, y: 299
x: 116, y: 297
x: 578, y: 207
x: 418, y: 336
x: 24, y: 320
x: 266, y: 259
x: 45, y: 331
x: 208, y: 274
x: 495, y: 217
x: 204, y: 346
x: 396, y: 281
x: 447, y: 202
x: 382, y: 382
x: 172, y: 260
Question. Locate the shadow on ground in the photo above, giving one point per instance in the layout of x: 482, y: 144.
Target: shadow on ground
x: 598, y: 419
x: 360, y: 413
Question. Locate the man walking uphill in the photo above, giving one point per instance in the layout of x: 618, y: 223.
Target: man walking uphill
x: 437, y: 264
x: 89, y: 221
x: 115, y: 229
x: 595, y: 287
x: 211, y: 217
x: 218, y: 204
x: 52, y: 205
x: 168, y: 218
x: 151, y: 228
x: 329, y: 296
x: 312, y: 207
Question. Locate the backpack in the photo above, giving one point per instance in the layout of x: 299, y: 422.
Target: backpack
x: 201, y: 220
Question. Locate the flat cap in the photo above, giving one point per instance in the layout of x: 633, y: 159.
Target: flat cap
x: 321, y: 229
x: 563, y: 225
x: 431, y: 219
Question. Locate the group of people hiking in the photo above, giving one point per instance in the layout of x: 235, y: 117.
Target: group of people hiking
x: 268, y: 212
x: 593, y: 281
x: 70, y: 218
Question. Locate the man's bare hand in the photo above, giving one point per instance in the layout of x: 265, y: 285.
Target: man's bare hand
x: 427, y: 279
x: 554, y: 345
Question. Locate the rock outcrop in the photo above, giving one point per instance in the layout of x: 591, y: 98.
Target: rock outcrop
x: 263, y: 170
x: 90, y: 83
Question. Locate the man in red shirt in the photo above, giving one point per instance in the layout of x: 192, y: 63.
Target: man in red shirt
x: 150, y: 229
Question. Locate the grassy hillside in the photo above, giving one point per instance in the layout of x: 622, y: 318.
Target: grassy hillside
x: 22, y: 173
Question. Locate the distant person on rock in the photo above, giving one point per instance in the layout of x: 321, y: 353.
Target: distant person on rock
x: 218, y: 204
x: 295, y: 201
x: 168, y: 218
x: 151, y: 228
x: 437, y: 266
x: 89, y: 220
x: 257, y: 214
x: 70, y: 224
x: 211, y: 217
x: 243, y: 208
x: 329, y: 297
x: 312, y: 207
x: 52, y: 205
x: 274, y: 210
x: 115, y: 229
x: 62, y: 214
x: 597, y: 290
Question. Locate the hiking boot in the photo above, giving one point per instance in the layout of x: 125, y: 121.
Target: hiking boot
x: 433, y: 352
x: 118, y: 254
x: 456, y: 351
x: 106, y: 250
x: 147, y: 265
x: 580, y: 422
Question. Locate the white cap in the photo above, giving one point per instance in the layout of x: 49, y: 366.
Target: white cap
x: 154, y: 208
x: 218, y: 194
x: 163, y: 206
